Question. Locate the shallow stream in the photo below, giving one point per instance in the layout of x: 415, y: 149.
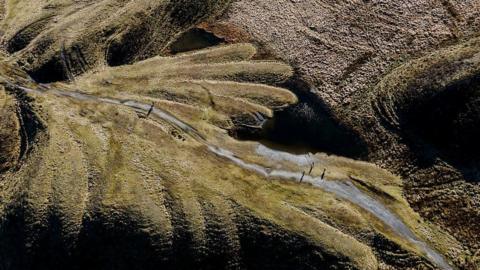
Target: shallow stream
x: 343, y: 189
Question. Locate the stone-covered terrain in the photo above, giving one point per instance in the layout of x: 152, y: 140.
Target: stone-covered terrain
x: 402, y: 77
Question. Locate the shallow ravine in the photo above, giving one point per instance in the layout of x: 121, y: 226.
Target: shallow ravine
x: 343, y: 189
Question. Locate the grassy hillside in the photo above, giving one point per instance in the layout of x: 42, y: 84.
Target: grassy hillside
x: 89, y: 180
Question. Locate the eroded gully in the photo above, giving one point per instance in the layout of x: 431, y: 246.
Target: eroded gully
x: 343, y: 189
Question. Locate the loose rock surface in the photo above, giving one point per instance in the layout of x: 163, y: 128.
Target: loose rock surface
x: 403, y: 78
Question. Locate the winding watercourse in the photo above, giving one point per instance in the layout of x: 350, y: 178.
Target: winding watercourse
x: 343, y: 189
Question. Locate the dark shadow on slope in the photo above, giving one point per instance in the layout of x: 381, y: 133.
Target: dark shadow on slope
x: 308, y: 126
x: 395, y: 256
x: 126, y: 49
x: 119, y: 240
x: 445, y: 123
x: 195, y: 39
x: 52, y: 71
x: 273, y: 247
x: 30, y: 126
x: 23, y: 37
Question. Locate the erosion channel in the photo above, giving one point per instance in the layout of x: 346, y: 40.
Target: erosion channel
x: 343, y: 189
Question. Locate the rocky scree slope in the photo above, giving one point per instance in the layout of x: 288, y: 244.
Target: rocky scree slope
x: 402, y: 77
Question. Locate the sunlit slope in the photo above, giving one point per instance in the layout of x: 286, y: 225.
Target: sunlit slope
x: 100, y: 172
x: 56, y: 40
x: 104, y: 180
x: 220, y: 86
x: 91, y: 181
